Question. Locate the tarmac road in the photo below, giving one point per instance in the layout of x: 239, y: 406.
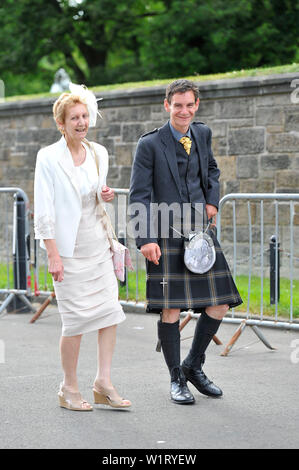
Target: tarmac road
x: 259, y: 408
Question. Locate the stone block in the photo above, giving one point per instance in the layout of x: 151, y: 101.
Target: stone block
x: 132, y: 132
x: 247, y: 166
x: 219, y: 146
x: 133, y: 114
x: 227, y: 167
x: 151, y: 125
x: 296, y: 217
x: 5, y: 154
x: 114, y: 130
x: 283, y: 142
x: 274, y: 129
x: 43, y: 136
x: 218, y: 128
x: 261, y: 185
x: 271, y: 100
x: 246, y: 141
x: 108, y: 114
x: 242, y: 122
x: 47, y: 122
x: 29, y: 135
x: 125, y: 176
x: 292, y: 120
x: 275, y: 162
x: 156, y: 108
x: 8, y: 137
x: 287, y: 181
x: 232, y: 186
x: 17, y: 160
x: 269, y: 116
x: 123, y: 154
x: 113, y: 173
x: 243, y: 212
x: 234, y: 108
x: 206, y: 108
x: 4, y: 123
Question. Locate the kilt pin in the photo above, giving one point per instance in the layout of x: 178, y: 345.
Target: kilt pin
x: 163, y: 172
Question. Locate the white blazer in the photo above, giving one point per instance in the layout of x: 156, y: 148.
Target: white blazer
x: 57, y: 198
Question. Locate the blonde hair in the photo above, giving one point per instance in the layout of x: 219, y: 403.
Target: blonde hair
x: 60, y: 105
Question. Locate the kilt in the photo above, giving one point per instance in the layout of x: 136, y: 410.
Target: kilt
x: 171, y: 285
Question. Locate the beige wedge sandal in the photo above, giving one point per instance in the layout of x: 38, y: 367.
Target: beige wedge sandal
x: 109, y: 396
x: 72, y: 401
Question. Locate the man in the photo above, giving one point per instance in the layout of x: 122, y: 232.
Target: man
x: 169, y: 169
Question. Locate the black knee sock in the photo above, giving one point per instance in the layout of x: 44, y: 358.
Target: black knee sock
x: 169, y: 334
x: 206, y: 328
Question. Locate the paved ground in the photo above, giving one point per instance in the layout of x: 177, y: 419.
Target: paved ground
x: 259, y: 408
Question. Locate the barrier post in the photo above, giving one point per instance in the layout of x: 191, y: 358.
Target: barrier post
x: 21, y: 256
x: 274, y: 270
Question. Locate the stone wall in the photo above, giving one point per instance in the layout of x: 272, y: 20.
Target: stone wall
x: 255, y: 128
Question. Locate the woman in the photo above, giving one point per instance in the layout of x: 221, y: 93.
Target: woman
x: 69, y: 183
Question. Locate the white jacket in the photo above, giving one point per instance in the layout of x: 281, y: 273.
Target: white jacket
x: 57, y: 198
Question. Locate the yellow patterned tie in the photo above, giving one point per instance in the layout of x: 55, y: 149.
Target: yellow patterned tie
x: 186, y: 142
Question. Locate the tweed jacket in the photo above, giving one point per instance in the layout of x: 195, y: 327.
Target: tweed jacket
x: 155, y: 175
x: 57, y: 198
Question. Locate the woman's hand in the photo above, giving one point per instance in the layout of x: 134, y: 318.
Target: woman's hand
x: 107, y: 194
x: 55, y: 267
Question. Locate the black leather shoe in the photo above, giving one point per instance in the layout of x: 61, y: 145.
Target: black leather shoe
x: 200, y: 381
x: 179, y: 391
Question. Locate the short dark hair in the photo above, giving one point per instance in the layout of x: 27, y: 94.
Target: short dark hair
x: 181, y: 86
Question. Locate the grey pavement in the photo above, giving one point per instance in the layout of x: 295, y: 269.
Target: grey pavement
x: 259, y: 409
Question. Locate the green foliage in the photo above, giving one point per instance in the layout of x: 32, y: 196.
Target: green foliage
x: 115, y: 41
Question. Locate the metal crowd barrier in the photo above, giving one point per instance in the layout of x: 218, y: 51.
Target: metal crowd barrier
x: 228, y: 225
x: 15, y: 251
x: 262, y: 219
x: 241, y: 318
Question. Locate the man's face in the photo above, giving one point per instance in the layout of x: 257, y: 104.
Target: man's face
x: 182, y: 110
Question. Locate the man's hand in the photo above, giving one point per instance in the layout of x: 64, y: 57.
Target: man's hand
x: 211, y: 211
x: 152, y: 252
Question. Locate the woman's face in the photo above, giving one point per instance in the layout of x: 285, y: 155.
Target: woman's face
x: 76, y: 122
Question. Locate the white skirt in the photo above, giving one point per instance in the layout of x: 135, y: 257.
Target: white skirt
x: 87, y: 297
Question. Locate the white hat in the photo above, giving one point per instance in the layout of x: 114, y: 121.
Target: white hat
x: 89, y: 99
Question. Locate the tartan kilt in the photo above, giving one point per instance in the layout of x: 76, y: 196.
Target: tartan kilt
x: 184, y: 289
